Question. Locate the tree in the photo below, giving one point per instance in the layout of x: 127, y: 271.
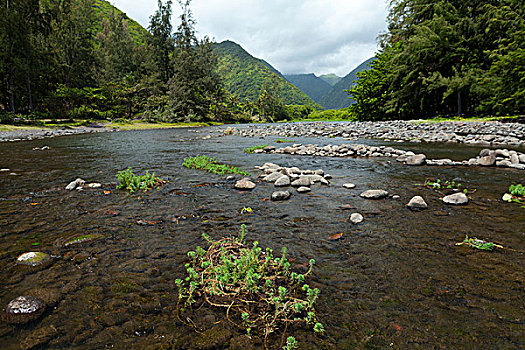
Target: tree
x: 195, y: 87
x: 161, y: 39
x: 269, y: 103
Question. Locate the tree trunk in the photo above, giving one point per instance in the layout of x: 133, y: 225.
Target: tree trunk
x: 29, y: 93
x: 459, y: 103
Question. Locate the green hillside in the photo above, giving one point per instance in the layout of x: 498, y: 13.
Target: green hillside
x: 104, y: 8
x: 244, y: 75
x: 331, y: 79
x: 311, y: 85
x: 337, y: 97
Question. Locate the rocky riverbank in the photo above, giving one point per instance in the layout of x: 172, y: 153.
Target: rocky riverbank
x: 475, y: 133
x: 33, y: 134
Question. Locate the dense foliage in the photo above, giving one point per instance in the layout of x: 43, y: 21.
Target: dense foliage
x: 211, y: 165
x: 446, y: 57
x: 86, y: 59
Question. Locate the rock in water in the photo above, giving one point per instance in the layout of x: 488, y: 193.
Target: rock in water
x: 273, y: 176
x: 74, y: 184
x: 356, y: 218
x: 23, y: 309
x: 349, y: 185
x: 488, y: 160
x: 417, y: 159
x: 417, y: 203
x: 244, y: 184
x: 374, y: 194
x: 302, y: 181
x: 280, y: 195
x: 303, y: 189
x: 456, y: 199
x: 33, y: 258
x: 282, y: 181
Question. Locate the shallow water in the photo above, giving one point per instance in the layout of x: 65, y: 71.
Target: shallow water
x: 395, y: 281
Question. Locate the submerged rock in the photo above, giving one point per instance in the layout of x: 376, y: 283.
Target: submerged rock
x: 280, y: 195
x: 456, y: 199
x: 33, y: 258
x: 374, y: 194
x: 23, y: 309
x: 244, y: 184
x: 417, y: 203
x: 82, y: 239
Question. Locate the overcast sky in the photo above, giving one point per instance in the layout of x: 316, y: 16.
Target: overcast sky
x: 294, y: 36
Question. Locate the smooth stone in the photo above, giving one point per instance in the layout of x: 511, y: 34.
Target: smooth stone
x: 374, y: 194
x: 349, y: 185
x: 5, y: 169
x: 396, y: 196
x: 303, y: 189
x: 244, y: 184
x: 417, y: 159
x: 356, y: 218
x: 74, y: 184
x: 282, y: 181
x: 302, y: 181
x: 230, y: 177
x: 456, y: 199
x: 417, y: 203
x: 33, y: 258
x: 273, y: 177
x: 94, y: 185
x: 23, y: 309
x: 280, y: 195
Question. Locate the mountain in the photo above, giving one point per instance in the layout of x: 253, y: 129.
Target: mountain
x: 244, y: 75
x: 337, y: 97
x: 103, y: 10
x: 311, y: 85
x: 331, y: 79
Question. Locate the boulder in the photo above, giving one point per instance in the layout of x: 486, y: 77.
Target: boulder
x: 282, y: 181
x: 488, y: 160
x: 456, y: 199
x: 374, y: 194
x: 417, y: 203
x: 280, y: 195
x: 302, y: 181
x: 273, y: 177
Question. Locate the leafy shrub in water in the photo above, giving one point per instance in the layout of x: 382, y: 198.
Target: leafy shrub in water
x: 131, y: 182
x: 211, y: 165
x: 517, y: 190
x: 259, y: 291
x: 253, y: 148
x: 444, y: 185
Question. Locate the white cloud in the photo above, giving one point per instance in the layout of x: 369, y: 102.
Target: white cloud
x: 295, y: 36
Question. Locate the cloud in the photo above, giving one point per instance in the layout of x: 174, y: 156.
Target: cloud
x: 295, y: 36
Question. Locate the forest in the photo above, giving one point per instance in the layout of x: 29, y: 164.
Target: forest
x: 84, y: 59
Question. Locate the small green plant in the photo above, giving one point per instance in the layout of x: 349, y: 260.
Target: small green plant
x: 258, y: 290
x: 284, y: 141
x: 131, y: 182
x: 211, y: 165
x: 253, y: 148
x: 479, y: 244
x: 445, y: 185
x: 291, y: 344
x: 517, y: 190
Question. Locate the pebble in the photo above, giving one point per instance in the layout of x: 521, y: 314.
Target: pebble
x: 23, y: 309
x: 349, y: 185
x: 244, y: 184
x: 303, y: 189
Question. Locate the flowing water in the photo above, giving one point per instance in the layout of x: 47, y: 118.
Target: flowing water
x: 397, y: 281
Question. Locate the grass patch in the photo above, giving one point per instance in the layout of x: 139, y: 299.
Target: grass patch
x: 131, y: 182
x: 211, y: 165
x: 479, y: 244
x: 258, y: 290
x: 253, y: 148
x: 466, y: 119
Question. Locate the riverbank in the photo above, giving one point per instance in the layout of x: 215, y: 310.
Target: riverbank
x: 19, y: 133
x: 481, y: 133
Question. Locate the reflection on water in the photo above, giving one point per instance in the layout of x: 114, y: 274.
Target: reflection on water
x: 396, y: 281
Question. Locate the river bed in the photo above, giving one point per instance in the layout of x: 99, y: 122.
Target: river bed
x: 396, y: 281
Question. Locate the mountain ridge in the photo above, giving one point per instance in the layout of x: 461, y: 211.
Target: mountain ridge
x: 310, y: 84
